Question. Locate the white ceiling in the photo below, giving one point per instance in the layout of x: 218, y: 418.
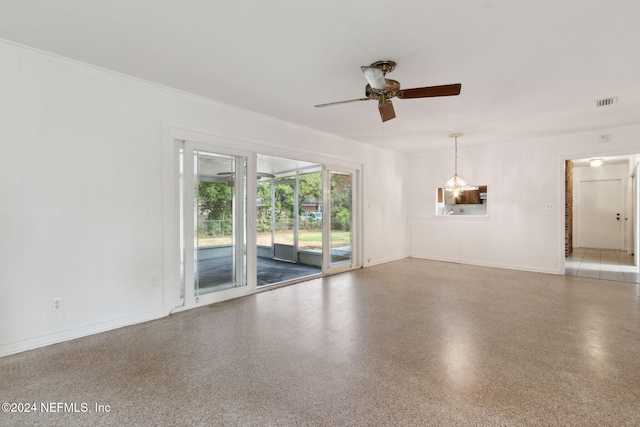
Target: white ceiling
x: 528, y: 68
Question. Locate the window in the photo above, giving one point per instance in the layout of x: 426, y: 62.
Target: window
x: 466, y: 203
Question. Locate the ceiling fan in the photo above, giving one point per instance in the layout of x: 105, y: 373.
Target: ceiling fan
x: 383, y: 89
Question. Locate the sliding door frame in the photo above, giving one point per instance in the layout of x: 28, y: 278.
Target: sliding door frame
x: 214, y: 142
x: 220, y: 146
x: 328, y: 267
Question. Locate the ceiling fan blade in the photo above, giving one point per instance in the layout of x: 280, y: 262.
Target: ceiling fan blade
x: 375, y: 77
x: 431, y: 91
x: 341, y: 102
x: 264, y: 175
x: 386, y: 111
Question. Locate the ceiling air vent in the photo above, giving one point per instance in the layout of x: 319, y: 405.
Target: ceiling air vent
x: 606, y: 101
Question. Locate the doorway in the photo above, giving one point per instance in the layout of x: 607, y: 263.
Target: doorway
x: 289, y: 233
x: 600, y: 220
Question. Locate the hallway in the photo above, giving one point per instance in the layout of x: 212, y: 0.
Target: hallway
x: 605, y: 264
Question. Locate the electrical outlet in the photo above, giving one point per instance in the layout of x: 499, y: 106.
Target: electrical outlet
x: 549, y: 206
x: 57, y: 304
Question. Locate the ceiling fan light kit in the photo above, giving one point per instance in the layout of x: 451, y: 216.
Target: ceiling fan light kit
x: 382, y: 89
x: 456, y: 184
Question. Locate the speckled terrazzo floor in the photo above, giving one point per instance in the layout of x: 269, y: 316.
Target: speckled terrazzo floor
x: 408, y: 343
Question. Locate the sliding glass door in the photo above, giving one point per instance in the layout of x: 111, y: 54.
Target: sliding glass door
x: 289, y: 220
x: 213, y: 224
x: 341, y: 225
x: 247, y: 220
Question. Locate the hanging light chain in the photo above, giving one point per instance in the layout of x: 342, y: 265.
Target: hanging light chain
x: 455, y: 136
x: 456, y: 154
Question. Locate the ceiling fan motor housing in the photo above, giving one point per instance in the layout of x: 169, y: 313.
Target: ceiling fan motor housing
x: 392, y: 89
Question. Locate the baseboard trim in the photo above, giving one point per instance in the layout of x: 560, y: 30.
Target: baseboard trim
x: 386, y: 260
x: 58, y: 337
x: 490, y: 264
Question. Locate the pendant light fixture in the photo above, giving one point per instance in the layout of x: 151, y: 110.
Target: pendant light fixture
x: 455, y: 183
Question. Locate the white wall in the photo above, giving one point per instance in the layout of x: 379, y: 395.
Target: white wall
x: 82, y: 174
x: 523, y: 177
x: 386, y: 203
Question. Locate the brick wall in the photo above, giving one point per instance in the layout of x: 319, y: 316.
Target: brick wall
x: 568, y: 208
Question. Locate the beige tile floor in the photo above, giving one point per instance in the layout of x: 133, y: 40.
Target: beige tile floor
x: 606, y: 264
x: 407, y: 343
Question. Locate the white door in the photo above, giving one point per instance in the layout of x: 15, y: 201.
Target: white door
x: 600, y: 214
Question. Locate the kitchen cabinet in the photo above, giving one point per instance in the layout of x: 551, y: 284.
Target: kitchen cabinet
x: 469, y: 197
